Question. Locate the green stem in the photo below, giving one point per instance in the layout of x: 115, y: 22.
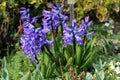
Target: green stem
x: 61, y: 36
x: 74, y: 44
x: 51, y: 54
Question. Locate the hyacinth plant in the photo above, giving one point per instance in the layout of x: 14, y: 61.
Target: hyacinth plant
x: 32, y: 39
x: 54, y: 18
x: 74, y: 34
x: 70, y: 46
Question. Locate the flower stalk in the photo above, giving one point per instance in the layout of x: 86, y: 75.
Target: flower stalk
x: 51, y: 54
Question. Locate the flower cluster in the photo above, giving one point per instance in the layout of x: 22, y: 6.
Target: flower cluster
x: 32, y: 39
x: 54, y: 18
x: 112, y: 68
x: 74, y: 33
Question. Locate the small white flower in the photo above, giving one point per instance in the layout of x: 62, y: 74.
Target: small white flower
x: 118, y: 63
x: 117, y: 70
x: 110, y: 74
x: 110, y: 31
x: 112, y: 27
x: 107, y: 24
x: 118, y: 78
x: 112, y: 66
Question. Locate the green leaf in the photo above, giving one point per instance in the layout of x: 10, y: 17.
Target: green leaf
x: 52, y: 67
x: 5, y: 74
x: 32, y: 1
x: 99, y: 66
x: 89, y: 52
x: 78, y: 55
x: 26, y: 76
x: 66, y: 55
x: 43, y: 69
x: 35, y: 73
x: 88, y: 76
x: 67, y: 76
x: 99, y: 75
x: 70, y: 61
x: 105, y: 45
x: 89, y: 0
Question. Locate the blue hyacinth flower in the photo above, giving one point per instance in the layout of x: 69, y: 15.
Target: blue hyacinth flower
x: 73, y: 33
x: 33, y: 39
x: 54, y: 18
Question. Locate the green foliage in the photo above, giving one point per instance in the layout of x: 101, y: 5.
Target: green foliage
x: 47, y: 70
x: 101, y: 8
x: 116, y: 36
x: 112, y: 70
x: 85, y: 54
x: 65, y: 56
x: 107, y: 70
x: 100, y: 30
x: 19, y: 64
x: 88, y: 76
x: 5, y: 74
x: 108, y: 46
x: 16, y: 66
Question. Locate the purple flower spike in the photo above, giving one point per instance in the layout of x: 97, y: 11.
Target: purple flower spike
x: 74, y: 33
x: 71, y: 34
x: 54, y: 18
x: 25, y: 15
x: 32, y: 39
